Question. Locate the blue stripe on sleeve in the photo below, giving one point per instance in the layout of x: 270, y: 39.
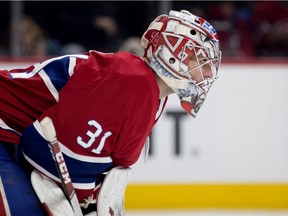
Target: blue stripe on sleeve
x: 57, y: 71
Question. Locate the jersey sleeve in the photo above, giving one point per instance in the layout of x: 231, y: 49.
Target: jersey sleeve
x: 25, y: 93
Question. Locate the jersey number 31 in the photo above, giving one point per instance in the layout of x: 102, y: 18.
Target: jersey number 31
x: 92, y: 137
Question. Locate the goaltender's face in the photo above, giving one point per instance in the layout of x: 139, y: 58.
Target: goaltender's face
x: 199, y: 70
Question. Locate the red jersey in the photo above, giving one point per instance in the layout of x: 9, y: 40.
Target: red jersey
x: 103, y: 107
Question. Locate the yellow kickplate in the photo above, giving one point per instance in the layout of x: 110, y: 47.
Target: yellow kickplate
x: 199, y: 196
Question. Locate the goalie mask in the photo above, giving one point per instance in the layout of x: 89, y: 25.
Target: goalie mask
x: 183, y: 50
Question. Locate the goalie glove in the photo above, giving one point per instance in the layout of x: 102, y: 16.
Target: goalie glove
x: 110, y: 200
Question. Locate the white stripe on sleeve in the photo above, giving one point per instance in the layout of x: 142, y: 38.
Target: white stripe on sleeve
x: 49, y: 85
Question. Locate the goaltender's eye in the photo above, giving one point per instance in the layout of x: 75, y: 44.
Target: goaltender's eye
x: 203, y: 60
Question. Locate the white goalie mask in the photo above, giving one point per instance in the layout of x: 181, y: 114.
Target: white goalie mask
x: 183, y: 50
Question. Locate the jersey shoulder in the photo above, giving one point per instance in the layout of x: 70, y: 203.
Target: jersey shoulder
x: 119, y: 62
x: 121, y: 68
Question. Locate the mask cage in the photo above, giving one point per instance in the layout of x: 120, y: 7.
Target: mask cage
x: 200, y: 62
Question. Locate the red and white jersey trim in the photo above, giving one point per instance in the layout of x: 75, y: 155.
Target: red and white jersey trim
x: 161, y: 107
x: 4, y: 126
x: 83, y: 158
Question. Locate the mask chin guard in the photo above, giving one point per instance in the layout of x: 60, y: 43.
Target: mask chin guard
x: 190, y: 95
x: 192, y: 106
